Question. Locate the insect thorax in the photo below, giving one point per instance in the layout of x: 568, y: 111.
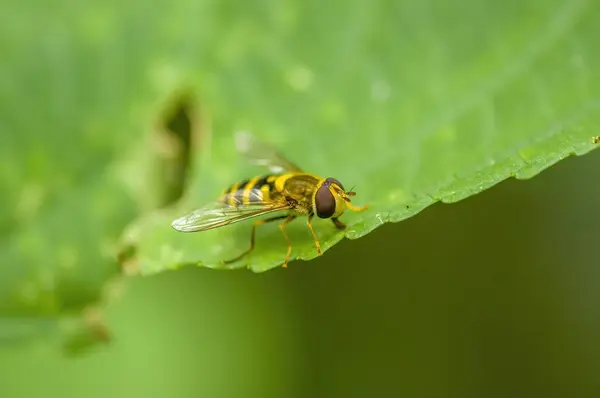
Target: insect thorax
x: 300, y: 188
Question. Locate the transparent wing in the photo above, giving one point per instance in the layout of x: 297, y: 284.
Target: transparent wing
x: 219, y: 214
x: 259, y: 153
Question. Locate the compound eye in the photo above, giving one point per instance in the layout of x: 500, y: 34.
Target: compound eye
x: 336, y: 182
x: 324, y: 202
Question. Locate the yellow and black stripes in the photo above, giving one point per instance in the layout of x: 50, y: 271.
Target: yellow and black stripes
x: 244, y: 191
x: 230, y: 196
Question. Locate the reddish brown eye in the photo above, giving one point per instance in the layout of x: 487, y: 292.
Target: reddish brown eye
x: 324, y: 202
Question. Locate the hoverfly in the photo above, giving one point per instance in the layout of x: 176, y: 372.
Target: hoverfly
x: 286, y: 193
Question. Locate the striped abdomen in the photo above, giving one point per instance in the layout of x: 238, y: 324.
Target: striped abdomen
x: 255, y: 190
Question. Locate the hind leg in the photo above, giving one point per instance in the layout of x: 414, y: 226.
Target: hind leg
x: 252, y: 238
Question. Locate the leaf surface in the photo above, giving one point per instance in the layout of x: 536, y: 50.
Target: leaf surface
x: 411, y: 103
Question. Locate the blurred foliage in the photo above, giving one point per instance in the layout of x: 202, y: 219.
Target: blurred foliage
x: 104, y: 105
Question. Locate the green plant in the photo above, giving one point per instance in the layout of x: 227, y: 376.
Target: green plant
x: 411, y: 103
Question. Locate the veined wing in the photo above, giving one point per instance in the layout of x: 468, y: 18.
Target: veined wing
x: 259, y: 153
x: 228, y: 211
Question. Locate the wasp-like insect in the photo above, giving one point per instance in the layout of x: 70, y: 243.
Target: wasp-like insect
x: 287, y: 190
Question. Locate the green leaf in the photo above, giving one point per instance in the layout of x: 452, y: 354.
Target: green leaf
x: 411, y: 103
x: 66, y: 138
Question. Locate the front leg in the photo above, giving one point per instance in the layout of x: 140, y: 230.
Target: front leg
x: 338, y: 224
x: 317, y: 244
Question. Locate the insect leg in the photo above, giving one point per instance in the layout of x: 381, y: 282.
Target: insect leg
x: 356, y: 208
x: 252, y: 236
x: 338, y: 223
x: 288, y: 220
x: 313, y: 234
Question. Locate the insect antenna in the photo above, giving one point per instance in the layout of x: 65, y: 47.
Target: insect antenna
x: 351, y: 192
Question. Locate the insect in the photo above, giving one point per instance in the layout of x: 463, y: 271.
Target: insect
x: 286, y: 193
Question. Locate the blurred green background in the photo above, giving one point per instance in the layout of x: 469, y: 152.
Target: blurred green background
x: 494, y: 296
